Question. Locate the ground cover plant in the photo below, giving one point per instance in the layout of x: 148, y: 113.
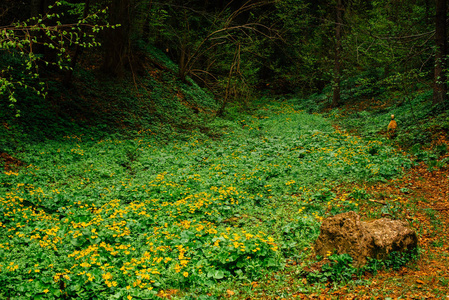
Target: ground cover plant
x: 92, y: 218
x: 419, y: 196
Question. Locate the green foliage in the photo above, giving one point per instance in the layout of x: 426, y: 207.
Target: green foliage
x: 103, y: 215
x: 297, y: 235
x: 339, y: 267
x: 384, y: 35
x: 416, y: 116
x: 359, y: 194
x: 209, y: 44
x: 302, y: 62
x: 20, y: 60
x: 395, y: 261
x: 99, y: 106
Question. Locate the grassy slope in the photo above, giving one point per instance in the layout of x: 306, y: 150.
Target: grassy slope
x: 140, y: 216
x: 230, y: 198
x: 97, y: 105
x: 368, y: 103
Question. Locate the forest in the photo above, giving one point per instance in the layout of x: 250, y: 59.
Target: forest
x: 194, y: 149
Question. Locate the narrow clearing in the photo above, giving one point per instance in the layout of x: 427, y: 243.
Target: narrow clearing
x: 192, y: 217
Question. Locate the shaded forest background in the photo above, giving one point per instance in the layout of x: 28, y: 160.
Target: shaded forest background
x: 70, y: 60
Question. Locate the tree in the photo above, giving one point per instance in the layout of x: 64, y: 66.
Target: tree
x: 337, y: 63
x: 78, y: 48
x: 440, y: 85
x: 117, y: 41
x: 24, y: 42
x: 209, y: 42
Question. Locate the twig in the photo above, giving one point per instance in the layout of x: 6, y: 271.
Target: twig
x: 442, y: 208
x: 377, y: 201
x: 414, y: 36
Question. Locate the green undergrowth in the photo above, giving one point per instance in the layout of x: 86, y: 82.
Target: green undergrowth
x: 419, y: 121
x: 339, y: 267
x: 97, y: 105
x: 369, y: 100
x: 89, y: 217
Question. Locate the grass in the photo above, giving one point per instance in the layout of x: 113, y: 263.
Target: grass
x: 180, y: 214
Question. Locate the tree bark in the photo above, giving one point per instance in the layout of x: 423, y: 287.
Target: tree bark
x: 337, y: 62
x: 40, y: 7
x: 78, y: 48
x: 116, y: 42
x: 36, y: 8
x: 183, y: 63
x: 440, y: 87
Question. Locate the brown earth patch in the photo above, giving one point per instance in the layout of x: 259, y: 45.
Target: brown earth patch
x: 9, y: 163
x: 424, y: 195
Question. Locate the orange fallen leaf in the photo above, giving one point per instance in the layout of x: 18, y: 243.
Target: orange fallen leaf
x: 230, y: 293
x: 419, y: 281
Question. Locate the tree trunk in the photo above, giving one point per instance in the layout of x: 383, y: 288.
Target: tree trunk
x: 440, y: 88
x: 183, y: 63
x: 37, y: 8
x: 337, y: 62
x: 78, y: 48
x: 116, y: 42
x: 40, y: 7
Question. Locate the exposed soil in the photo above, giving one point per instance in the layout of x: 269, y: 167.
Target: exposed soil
x: 428, y: 210
x: 424, y: 195
x: 9, y: 163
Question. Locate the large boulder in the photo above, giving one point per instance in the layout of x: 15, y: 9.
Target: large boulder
x: 345, y: 233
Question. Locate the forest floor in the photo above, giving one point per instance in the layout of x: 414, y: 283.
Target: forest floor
x: 127, y: 177
x: 425, y: 193
x: 424, y: 201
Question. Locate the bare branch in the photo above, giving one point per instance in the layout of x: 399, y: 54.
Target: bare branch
x: 4, y: 12
x: 414, y: 36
